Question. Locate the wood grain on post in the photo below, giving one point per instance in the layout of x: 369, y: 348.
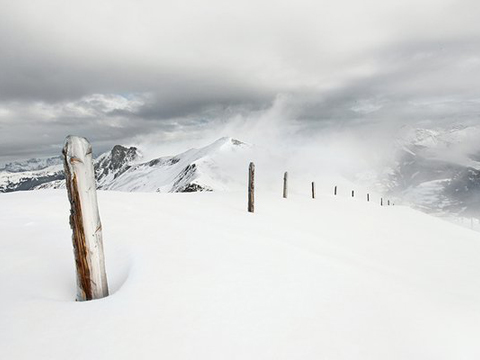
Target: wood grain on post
x: 84, y: 219
x: 285, y: 184
x: 251, y: 187
x: 313, y: 190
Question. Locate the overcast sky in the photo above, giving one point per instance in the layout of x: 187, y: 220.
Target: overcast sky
x: 121, y: 71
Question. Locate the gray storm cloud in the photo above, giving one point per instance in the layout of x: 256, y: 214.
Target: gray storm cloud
x: 120, y: 71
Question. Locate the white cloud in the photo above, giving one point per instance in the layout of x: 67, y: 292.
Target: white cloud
x: 67, y: 65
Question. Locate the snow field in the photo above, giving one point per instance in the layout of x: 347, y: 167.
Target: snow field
x: 194, y: 276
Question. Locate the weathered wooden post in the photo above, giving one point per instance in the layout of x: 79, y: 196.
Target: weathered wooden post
x: 84, y: 219
x: 353, y: 193
x: 313, y: 190
x: 251, y: 187
x: 285, y: 184
x: 335, y: 190
x: 381, y: 201
x: 368, y: 197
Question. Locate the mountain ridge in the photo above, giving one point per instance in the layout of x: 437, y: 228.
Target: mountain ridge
x: 122, y: 169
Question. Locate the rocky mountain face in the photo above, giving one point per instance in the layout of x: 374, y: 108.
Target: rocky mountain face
x: 121, y: 169
x: 29, y: 180
x: 111, y: 165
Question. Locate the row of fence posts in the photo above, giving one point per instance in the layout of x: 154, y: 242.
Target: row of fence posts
x: 368, y: 197
x: 251, y: 189
x: 85, y: 217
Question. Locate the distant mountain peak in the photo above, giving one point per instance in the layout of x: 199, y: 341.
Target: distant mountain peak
x: 121, y: 155
x: 224, y: 143
x: 114, y: 163
x: 32, y: 164
x: 237, y: 142
x: 226, y: 140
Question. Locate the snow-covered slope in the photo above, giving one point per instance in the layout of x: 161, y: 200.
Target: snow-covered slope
x: 194, y: 276
x: 205, y: 169
x: 29, y: 180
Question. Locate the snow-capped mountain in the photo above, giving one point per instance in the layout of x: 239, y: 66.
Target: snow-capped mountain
x: 29, y: 180
x: 109, y: 166
x: 204, y: 169
x: 29, y: 174
x: 33, y: 164
x: 436, y: 170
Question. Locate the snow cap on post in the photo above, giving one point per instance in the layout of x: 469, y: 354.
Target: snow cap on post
x: 84, y: 219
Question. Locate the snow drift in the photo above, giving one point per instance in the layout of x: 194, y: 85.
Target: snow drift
x: 194, y: 276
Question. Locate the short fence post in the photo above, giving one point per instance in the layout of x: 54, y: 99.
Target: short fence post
x: 388, y: 202
x: 381, y: 201
x: 353, y: 193
x: 335, y: 190
x: 285, y: 184
x: 368, y: 197
x: 84, y: 219
x: 251, y: 187
x: 313, y: 190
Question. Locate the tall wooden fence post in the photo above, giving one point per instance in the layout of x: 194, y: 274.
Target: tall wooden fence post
x: 285, y: 184
x: 84, y: 219
x: 251, y: 187
x: 313, y: 190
